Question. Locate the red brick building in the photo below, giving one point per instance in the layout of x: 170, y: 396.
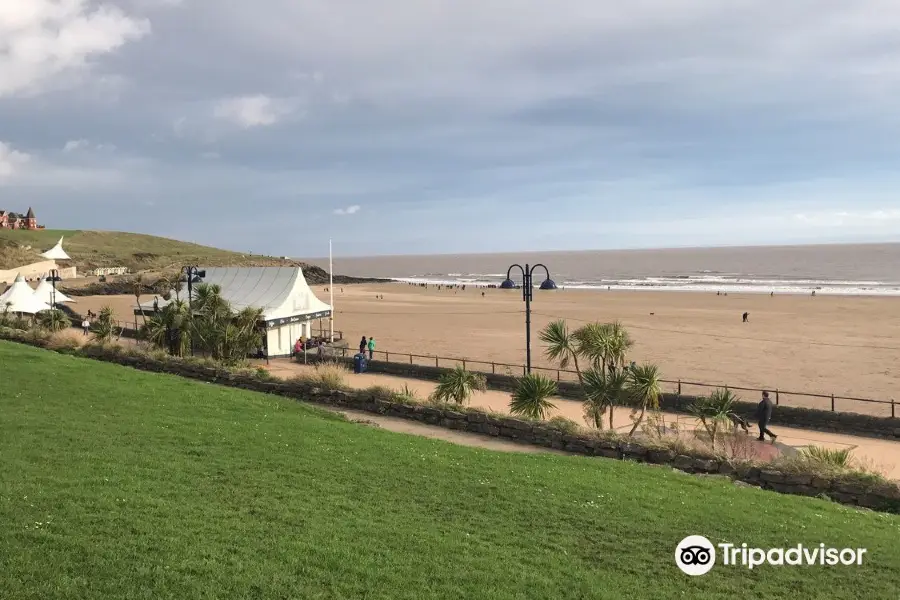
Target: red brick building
x: 11, y: 220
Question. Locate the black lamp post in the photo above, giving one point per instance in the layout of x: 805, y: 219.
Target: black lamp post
x: 527, y: 295
x: 53, y: 276
x: 192, y: 275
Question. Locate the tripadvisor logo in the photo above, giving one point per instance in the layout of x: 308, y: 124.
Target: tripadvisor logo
x: 696, y: 555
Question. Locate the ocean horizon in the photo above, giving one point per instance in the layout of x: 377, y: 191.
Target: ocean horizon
x: 843, y: 269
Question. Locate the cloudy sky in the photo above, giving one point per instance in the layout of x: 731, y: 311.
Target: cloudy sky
x: 454, y: 125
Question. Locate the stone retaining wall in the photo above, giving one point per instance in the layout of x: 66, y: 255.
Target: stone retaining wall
x: 849, y: 488
x: 787, y: 416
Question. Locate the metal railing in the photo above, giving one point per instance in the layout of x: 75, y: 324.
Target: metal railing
x: 832, y: 402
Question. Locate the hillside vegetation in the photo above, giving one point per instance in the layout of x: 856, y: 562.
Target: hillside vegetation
x: 117, y: 483
x: 138, y: 252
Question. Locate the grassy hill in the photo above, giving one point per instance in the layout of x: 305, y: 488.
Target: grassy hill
x: 116, y: 483
x: 138, y: 252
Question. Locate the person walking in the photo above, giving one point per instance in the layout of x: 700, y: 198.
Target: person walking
x: 363, y: 344
x: 86, y: 326
x: 763, y: 416
x: 371, y: 346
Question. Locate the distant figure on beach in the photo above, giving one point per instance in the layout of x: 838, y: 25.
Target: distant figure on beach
x: 772, y: 294
x: 814, y: 292
x: 482, y: 294
x: 363, y: 344
x: 86, y: 326
x: 371, y: 346
x: 763, y: 416
x: 746, y: 316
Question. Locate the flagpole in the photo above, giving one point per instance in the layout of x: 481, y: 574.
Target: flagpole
x: 331, y: 288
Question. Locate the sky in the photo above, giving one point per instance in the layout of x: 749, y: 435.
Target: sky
x: 448, y: 126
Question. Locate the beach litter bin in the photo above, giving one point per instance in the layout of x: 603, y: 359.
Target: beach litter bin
x: 359, y: 363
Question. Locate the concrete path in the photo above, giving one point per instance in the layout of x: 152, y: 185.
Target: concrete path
x: 880, y: 455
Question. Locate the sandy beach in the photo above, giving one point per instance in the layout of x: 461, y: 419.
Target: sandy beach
x: 842, y: 345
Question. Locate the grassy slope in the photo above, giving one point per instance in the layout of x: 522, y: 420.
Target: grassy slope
x: 121, y: 484
x: 138, y: 252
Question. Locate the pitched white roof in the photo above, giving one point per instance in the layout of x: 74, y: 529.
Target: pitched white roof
x: 44, y: 293
x: 281, y: 292
x: 56, y: 252
x: 20, y: 298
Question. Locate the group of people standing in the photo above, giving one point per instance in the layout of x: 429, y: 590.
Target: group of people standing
x: 367, y: 345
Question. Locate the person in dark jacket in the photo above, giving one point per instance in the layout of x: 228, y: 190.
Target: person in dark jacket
x: 363, y: 344
x: 763, y: 416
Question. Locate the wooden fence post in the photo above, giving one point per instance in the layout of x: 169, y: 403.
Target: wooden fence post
x: 410, y: 359
x: 776, y: 397
x: 679, y: 387
x: 387, y: 357
x: 832, y: 403
x: 493, y: 368
x: 893, y: 414
x: 464, y: 365
x: 558, y: 376
x: 436, y: 362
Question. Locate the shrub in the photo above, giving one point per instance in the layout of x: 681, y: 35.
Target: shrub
x: 53, y: 320
x: 330, y: 375
x: 564, y: 425
x: 530, y: 399
x: 63, y: 343
x: 841, y: 458
x: 458, y: 385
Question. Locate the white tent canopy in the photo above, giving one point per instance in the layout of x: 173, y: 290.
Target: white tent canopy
x: 287, y: 302
x: 20, y: 298
x: 44, y: 293
x: 281, y: 292
x: 56, y: 252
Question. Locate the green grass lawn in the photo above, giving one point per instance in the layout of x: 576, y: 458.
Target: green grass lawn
x: 90, y: 249
x: 121, y: 484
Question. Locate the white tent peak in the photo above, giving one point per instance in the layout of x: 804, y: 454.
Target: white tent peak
x: 56, y: 252
x: 44, y: 293
x: 20, y: 298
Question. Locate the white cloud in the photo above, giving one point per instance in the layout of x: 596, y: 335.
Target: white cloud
x: 11, y: 161
x: 73, y: 145
x: 43, y: 40
x: 350, y: 210
x: 252, y: 111
x: 82, y: 144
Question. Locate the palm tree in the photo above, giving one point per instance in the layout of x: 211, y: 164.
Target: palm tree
x: 53, y: 320
x: 104, y: 326
x: 168, y: 328
x: 713, y: 412
x: 604, y: 391
x: 458, y: 386
x: 137, y: 290
x: 643, y: 390
x: 561, y: 345
x: 530, y: 397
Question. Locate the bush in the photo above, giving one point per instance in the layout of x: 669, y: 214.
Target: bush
x: 530, y: 398
x: 53, y: 320
x: 63, y: 343
x: 330, y: 375
x: 457, y: 386
x: 840, y: 458
x: 564, y: 425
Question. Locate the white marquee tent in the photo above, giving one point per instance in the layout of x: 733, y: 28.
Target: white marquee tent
x: 288, y: 304
x: 20, y: 298
x: 56, y: 252
x: 44, y: 293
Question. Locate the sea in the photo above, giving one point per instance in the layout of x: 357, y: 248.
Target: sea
x: 860, y: 269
